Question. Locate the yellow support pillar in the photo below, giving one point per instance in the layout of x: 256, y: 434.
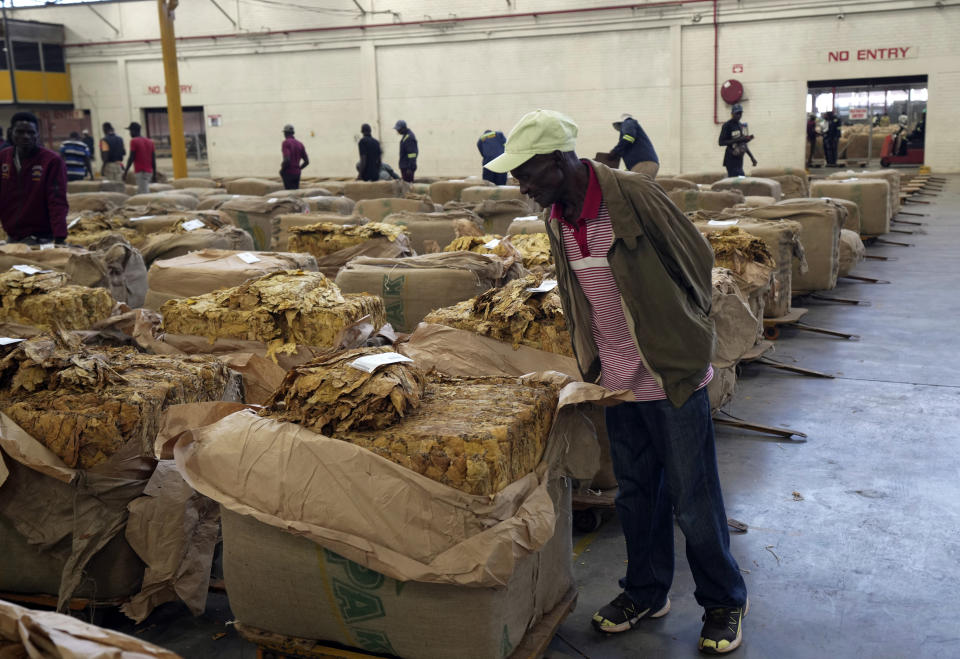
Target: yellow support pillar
x: 172, y: 77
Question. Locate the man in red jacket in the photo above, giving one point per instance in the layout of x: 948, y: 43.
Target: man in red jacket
x: 33, y: 186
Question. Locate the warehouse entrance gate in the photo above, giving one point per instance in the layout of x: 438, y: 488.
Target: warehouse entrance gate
x: 871, y: 110
x: 157, y: 128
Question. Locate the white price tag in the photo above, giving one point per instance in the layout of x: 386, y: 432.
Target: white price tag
x: 47, y: 246
x: 142, y: 217
x: 546, y: 286
x: 193, y: 225
x: 492, y: 244
x: 722, y: 223
x: 6, y: 340
x: 247, y: 257
x: 370, y: 363
x: 28, y: 269
x: 526, y: 218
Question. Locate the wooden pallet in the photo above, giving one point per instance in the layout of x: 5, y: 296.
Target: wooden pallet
x: 75, y: 604
x: 278, y: 646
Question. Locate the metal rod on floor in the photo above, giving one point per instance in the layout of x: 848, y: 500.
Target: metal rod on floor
x: 786, y: 433
x: 839, y: 300
x: 772, y: 363
x: 875, y: 257
x: 884, y: 241
x: 866, y: 280
x: 828, y: 332
x: 916, y: 201
x: 906, y: 231
x: 910, y: 222
x: 911, y: 214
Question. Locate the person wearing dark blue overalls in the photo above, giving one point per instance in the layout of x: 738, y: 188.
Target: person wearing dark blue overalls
x: 408, y: 150
x: 635, y: 147
x: 490, y: 146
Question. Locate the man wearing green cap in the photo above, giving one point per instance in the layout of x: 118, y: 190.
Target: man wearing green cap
x: 635, y: 283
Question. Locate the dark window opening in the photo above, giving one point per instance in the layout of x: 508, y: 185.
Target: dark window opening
x: 26, y: 56
x: 53, y: 58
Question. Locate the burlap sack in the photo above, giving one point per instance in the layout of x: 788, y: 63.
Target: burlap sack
x: 738, y: 329
x: 773, y: 172
x: 750, y: 186
x: 342, y: 205
x: 172, y: 245
x: 188, y: 182
x: 358, y: 190
x: 253, y: 186
x: 852, y: 251
x: 158, y: 200
x: 782, y: 238
x: 497, y: 215
x: 301, y: 193
x: 704, y: 178
x: 335, y: 187
x: 891, y: 176
x: 441, y: 228
x: 156, y: 188
x: 100, y: 202
x: 871, y: 195
x: 668, y: 184
x: 381, y: 248
x: 711, y: 200
x: 853, y: 213
x: 377, y: 209
x: 413, y: 287
x: 527, y: 224
x: 477, y: 193
x: 821, y: 222
x: 163, y: 223
x: 756, y: 202
x: 793, y: 186
x: 100, y: 185
x: 443, y: 191
x: 215, y: 201
x: 258, y: 216
x: 721, y: 387
x: 212, y: 269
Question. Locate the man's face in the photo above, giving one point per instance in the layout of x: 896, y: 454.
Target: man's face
x: 541, y: 179
x: 25, y: 134
x: 737, y: 115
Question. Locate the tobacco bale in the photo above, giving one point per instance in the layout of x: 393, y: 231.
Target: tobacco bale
x: 871, y: 195
x: 359, y: 190
x: 514, y: 315
x: 794, y: 186
x: 258, y: 216
x: 180, y: 241
x: 194, y: 182
x: 441, y: 227
x: 256, y: 187
x: 703, y: 178
x: 491, y: 244
x: 477, y: 435
x: 331, y: 397
x: 443, y: 191
x: 527, y: 224
x: 479, y: 193
x: 341, y: 205
x: 282, y: 309
x: 852, y: 251
x: 95, y: 201
x: 326, y: 238
x: 750, y: 185
x: 284, y: 223
x: 215, y: 201
x: 377, y: 209
x: 534, y: 248
x: 692, y: 200
x: 85, y: 403
x: 47, y: 300
x: 669, y: 183
x: 171, y: 200
x: 102, y: 185
x: 738, y: 329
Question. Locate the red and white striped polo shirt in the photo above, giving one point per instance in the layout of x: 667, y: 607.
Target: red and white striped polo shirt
x: 586, y: 245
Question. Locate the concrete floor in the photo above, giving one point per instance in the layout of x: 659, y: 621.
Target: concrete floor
x: 865, y: 562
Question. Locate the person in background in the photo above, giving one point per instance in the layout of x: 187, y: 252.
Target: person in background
x: 33, y: 187
x: 370, y: 155
x: 831, y: 138
x: 634, y: 278
x: 295, y: 159
x: 143, y: 157
x: 87, y: 139
x: 919, y: 133
x: 76, y: 155
x: 490, y: 145
x: 635, y: 147
x: 811, y: 138
x: 387, y: 173
x: 408, y: 150
x: 734, y: 136
x: 111, y: 153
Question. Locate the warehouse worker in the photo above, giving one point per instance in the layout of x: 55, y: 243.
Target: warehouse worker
x: 490, y: 146
x: 76, y: 155
x: 33, y: 187
x: 408, y: 150
x: 734, y: 136
x: 635, y: 284
x: 370, y: 155
x: 831, y: 137
x: 295, y: 159
x: 143, y: 158
x: 111, y: 153
x: 87, y: 140
x: 811, y: 137
x: 635, y: 147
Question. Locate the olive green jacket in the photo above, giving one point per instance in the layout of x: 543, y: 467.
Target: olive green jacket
x: 662, y: 267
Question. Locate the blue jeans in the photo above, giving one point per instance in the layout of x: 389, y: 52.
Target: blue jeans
x: 665, y: 461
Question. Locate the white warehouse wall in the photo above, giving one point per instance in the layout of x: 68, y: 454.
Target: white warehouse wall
x: 452, y: 80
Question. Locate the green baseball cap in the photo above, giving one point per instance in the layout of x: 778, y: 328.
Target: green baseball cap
x: 540, y: 131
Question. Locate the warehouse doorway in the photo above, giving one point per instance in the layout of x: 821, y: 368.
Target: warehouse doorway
x: 871, y: 111
x: 194, y: 131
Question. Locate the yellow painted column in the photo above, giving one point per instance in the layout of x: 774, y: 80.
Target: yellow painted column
x: 172, y: 77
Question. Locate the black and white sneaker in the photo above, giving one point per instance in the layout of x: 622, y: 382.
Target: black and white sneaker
x: 622, y: 614
x: 722, y: 629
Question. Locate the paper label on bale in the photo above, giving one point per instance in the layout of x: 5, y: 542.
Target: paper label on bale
x: 29, y: 269
x: 247, y: 257
x: 193, y: 225
x: 546, y: 286
x: 370, y: 363
x: 492, y: 244
x: 722, y: 223
x: 6, y: 340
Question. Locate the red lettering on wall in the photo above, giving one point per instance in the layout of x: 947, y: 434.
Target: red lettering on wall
x: 839, y: 56
x: 903, y: 51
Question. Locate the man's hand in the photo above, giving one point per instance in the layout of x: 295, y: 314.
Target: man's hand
x: 749, y: 138
x: 754, y: 162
